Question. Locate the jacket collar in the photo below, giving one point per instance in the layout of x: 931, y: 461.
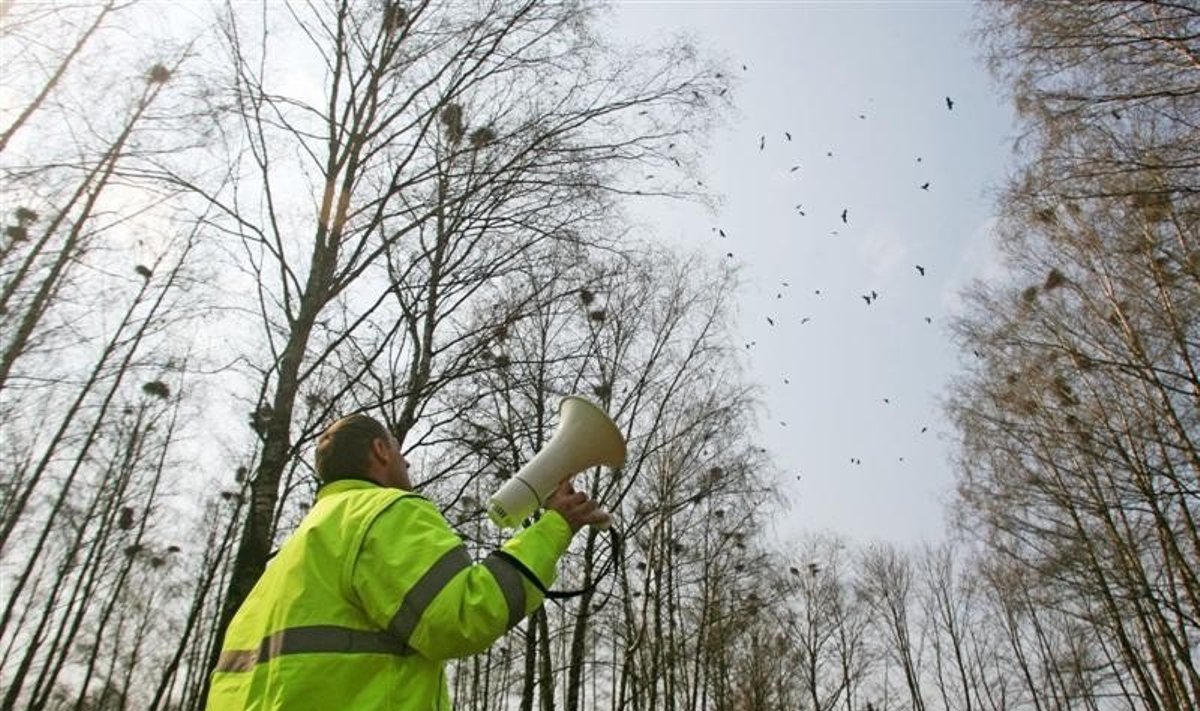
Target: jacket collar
x: 342, y: 485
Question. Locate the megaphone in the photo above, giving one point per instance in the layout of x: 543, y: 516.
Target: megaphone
x: 585, y: 437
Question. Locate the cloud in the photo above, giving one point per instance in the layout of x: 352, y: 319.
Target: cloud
x: 882, y: 251
x: 980, y: 258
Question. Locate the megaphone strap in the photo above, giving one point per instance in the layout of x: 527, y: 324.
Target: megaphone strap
x: 550, y: 594
x: 565, y: 594
x: 532, y: 490
x: 516, y: 563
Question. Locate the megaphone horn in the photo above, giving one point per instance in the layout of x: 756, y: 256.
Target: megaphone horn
x: 585, y: 437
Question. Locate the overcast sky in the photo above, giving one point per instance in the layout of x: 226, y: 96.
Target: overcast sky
x: 867, y: 82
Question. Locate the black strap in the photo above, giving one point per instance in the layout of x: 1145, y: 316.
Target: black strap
x: 616, y: 544
x: 516, y: 563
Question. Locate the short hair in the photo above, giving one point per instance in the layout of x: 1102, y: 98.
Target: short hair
x: 342, y: 450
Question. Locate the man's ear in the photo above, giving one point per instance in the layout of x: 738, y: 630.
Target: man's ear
x: 379, y: 448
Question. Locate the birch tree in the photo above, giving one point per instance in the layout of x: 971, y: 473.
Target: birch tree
x: 1079, y: 420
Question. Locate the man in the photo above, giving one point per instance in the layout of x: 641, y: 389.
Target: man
x: 374, y: 591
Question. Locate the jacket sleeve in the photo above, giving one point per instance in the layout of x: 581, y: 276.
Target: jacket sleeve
x: 414, y: 577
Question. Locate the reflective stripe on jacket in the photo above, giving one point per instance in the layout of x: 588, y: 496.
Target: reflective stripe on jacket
x: 367, y: 599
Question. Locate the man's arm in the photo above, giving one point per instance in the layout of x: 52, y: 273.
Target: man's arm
x: 414, y: 577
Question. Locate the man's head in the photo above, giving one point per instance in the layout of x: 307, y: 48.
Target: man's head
x: 359, y: 446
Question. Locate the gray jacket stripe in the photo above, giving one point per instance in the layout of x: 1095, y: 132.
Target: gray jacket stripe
x: 431, y: 583
x: 317, y: 639
x: 511, y: 584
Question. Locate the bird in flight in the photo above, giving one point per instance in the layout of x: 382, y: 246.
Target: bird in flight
x: 789, y: 136
x: 921, y: 269
x: 949, y: 104
x: 762, y: 141
x: 770, y: 320
x: 721, y: 232
x: 844, y: 211
x: 794, y: 169
x: 925, y: 185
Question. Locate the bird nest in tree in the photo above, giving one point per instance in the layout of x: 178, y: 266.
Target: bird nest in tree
x: 452, y: 121
x: 481, y: 137
x: 158, y: 74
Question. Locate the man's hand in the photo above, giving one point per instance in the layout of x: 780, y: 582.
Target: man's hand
x: 576, y: 507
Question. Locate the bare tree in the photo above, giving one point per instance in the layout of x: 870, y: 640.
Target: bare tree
x: 1080, y: 420
x: 640, y: 335
x: 445, y: 141
x: 887, y: 586
x: 826, y: 624
x: 22, y: 28
x: 92, y: 277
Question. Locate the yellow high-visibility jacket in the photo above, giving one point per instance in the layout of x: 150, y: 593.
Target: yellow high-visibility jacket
x: 368, y: 598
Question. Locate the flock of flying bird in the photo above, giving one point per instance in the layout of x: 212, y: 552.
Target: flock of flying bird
x: 869, y: 297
